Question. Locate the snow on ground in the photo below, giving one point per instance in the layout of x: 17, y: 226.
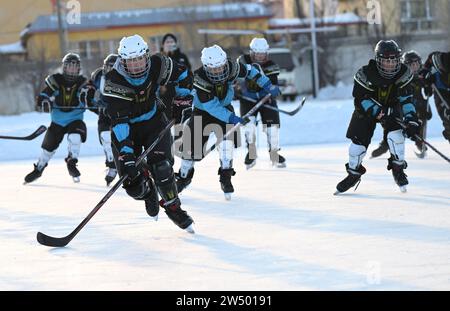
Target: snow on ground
x: 283, y: 230
x: 320, y: 121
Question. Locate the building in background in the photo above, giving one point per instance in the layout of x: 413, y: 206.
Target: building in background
x: 100, y: 32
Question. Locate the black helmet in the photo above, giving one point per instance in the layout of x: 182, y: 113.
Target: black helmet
x: 109, y: 62
x: 411, y: 57
x: 387, y: 56
x: 71, y: 66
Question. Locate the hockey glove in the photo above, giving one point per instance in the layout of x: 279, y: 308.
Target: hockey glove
x: 412, y: 127
x: 271, y: 89
x: 43, y: 104
x: 128, y: 164
x: 234, y: 119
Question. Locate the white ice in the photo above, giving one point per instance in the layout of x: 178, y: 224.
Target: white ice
x: 282, y: 230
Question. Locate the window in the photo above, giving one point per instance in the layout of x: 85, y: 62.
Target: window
x: 418, y: 15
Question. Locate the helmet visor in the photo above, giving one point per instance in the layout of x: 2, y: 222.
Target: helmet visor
x: 71, y: 70
x: 136, y: 67
x: 388, y: 67
x: 217, y: 74
x: 259, y: 57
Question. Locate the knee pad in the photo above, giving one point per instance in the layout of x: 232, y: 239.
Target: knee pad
x: 105, y: 138
x: 186, y: 167
x: 225, y: 149
x: 396, y: 142
x: 74, y: 144
x: 163, y: 176
x: 356, y: 154
x: 273, y: 137
x: 45, y: 157
x: 250, y: 130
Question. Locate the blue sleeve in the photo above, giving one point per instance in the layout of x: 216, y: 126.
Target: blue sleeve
x: 181, y: 88
x: 369, y: 104
x: 408, y: 107
x: 214, y: 108
x: 259, y: 78
x: 122, y: 132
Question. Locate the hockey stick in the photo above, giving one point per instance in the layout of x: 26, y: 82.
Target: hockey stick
x: 234, y: 128
x: 423, y: 141
x: 32, y: 136
x: 61, y: 242
x: 290, y: 113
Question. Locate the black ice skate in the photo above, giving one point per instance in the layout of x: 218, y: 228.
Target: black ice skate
x: 250, y: 158
x: 72, y: 168
x: 382, y: 149
x: 399, y: 175
x: 276, y: 159
x: 111, y: 174
x: 353, y: 178
x: 177, y: 215
x: 35, y: 174
x: 225, y: 181
x: 181, y: 182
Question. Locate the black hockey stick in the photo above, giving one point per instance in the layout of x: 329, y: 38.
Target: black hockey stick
x: 423, y: 141
x: 234, y: 128
x: 290, y: 113
x: 61, y: 242
x: 32, y: 136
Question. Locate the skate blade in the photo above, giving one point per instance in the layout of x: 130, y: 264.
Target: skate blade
x: 154, y: 218
x: 76, y: 179
x: 420, y: 155
x: 227, y: 196
x: 249, y: 166
x: 278, y: 165
x: 190, y: 229
x: 403, y: 189
x: 337, y: 192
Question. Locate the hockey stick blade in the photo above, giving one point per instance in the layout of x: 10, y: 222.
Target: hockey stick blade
x: 61, y: 242
x: 290, y: 113
x: 32, y: 136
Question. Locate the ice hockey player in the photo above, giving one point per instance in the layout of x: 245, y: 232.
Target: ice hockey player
x: 137, y: 118
x: 437, y: 73
x: 167, y: 93
x: 212, y: 112
x: 59, y: 97
x: 382, y: 92
x: 250, y: 94
x: 91, y: 96
x: 413, y: 60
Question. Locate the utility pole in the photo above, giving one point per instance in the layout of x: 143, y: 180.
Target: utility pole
x: 314, y: 48
x: 62, y: 29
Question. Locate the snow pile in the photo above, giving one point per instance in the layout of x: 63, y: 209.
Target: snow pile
x: 338, y: 91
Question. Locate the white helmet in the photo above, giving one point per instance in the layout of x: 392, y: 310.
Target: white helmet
x: 215, y: 63
x: 259, y: 50
x: 134, y: 56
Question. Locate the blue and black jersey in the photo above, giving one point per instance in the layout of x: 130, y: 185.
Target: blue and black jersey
x: 249, y: 89
x: 130, y: 101
x: 214, y: 98
x: 64, y: 96
x: 396, y: 93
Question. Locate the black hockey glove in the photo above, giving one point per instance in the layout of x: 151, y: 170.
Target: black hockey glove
x: 128, y: 164
x: 43, y: 104
x: 412, y: 127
